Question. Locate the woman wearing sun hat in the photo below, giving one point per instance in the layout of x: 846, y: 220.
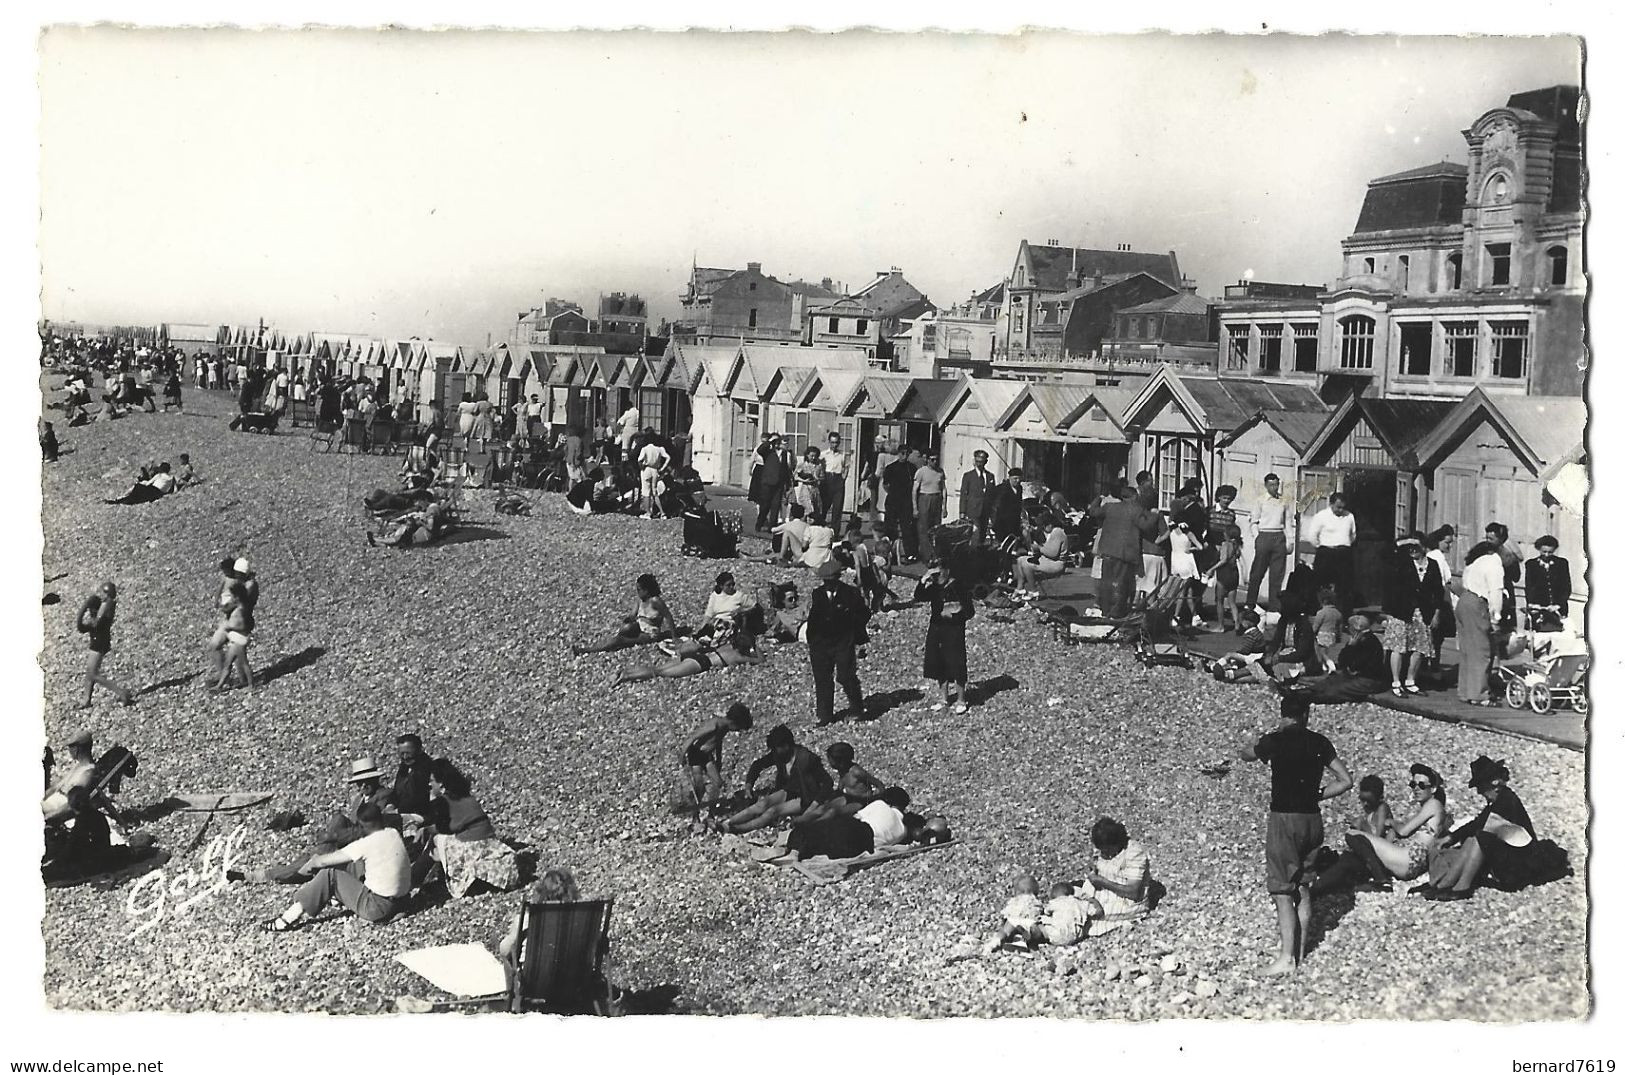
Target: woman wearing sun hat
x: 1500, y: 841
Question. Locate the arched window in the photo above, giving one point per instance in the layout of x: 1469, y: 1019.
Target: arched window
x: 1357, y: 339
x: 1452, y: 272
x: 1557, y: 260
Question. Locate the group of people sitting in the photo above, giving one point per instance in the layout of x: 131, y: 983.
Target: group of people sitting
x: 416, y: 515
x: 156, y: 480
x: 425, y: 829
x: 1116, y: 892
x: 1385, y: 851
x: 843, y: 816
x: 648, y: 479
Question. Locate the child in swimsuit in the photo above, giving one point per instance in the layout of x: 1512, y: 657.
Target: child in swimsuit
x: 703, y: 754
x: 855, y: 786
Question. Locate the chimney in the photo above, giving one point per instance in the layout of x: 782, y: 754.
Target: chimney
x: 1187, y: 285
x: 826, y: 283
x: 753, y: 266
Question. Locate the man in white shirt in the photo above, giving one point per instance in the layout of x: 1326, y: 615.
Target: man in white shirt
x: 653, y: 459
x: 372, y: 877
x: 628, y: 423
x: 1332, y: 534
x: 1483, y: 585
x: 834, y: 490
x: 1268, y: 526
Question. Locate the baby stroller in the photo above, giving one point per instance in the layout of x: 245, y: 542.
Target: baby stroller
x: 710, y: 536
x: 1157, y: 643
x: 1545, y: 684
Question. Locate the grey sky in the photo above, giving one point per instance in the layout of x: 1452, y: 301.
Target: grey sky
x: 436, y: 184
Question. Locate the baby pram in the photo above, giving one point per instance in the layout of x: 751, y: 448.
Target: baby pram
x: 974, y: 565
x: 709, y: 535
x: 1543, y: 684
x: 1157, y: 643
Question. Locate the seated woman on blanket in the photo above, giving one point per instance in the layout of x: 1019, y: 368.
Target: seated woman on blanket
x: 787, y: 616
x: 692, y: 657
x: 464, y: 844
x: 1499, y: 842
x: 727, y: 606
x: 649, y: 621
x: 1402, y: 852
x: 1120, y: 883
x: 1290, y: 654
x: 148, y: 487
x: 843, y: 836
x: 556, y: 885
x: 800, y: 781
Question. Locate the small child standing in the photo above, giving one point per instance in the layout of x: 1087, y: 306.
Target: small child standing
x: 703, y: 754
x: 1227, y: 577
x: 1328, y: 625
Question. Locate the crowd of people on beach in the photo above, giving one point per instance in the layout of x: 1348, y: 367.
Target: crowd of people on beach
x: 427, y: 830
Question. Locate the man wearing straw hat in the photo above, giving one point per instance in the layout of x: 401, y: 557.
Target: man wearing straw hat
x: 367, y: 788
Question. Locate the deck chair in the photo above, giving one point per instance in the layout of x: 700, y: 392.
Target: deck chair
x: 322, y: 439
x: 353, y: 435
x: 383, y: 438
x: 560, y: 959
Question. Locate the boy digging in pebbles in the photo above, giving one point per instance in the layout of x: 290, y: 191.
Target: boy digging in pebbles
x: 1297, y: 757
x: 703, y: 756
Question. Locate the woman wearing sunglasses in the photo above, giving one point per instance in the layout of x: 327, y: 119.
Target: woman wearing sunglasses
x: 1406, y: 856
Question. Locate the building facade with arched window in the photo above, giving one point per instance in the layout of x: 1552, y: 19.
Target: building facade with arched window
x: 1456, y: 276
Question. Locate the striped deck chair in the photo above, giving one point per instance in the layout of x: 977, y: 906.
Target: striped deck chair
x: 560, y: 959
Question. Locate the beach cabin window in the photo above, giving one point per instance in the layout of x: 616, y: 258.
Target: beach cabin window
x: 1358, y: 343
x: 1176, y: 464
x: 795, y: 432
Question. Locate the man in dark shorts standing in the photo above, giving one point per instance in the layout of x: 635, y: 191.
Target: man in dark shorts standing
x: 1297, y: 757
x: 96, y: 621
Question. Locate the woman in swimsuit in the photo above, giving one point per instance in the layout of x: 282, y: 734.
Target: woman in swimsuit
x: 694, y: 658
x: 650, y: 621
x: 1406, y: 856
x: 238, y: 606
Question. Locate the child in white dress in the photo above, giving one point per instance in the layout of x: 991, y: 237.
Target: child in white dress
x: 1182, y: 548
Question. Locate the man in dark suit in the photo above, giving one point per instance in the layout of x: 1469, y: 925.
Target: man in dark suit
x: 898, y: 480
x: 1546, y: 579
x: 1124, y: 524
x: 837, y: 620
x: 975, y: 489
x: 1004, y: 508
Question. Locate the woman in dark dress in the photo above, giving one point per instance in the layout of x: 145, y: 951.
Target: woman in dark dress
x: 951, y: 606
x: 1500, y: 842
